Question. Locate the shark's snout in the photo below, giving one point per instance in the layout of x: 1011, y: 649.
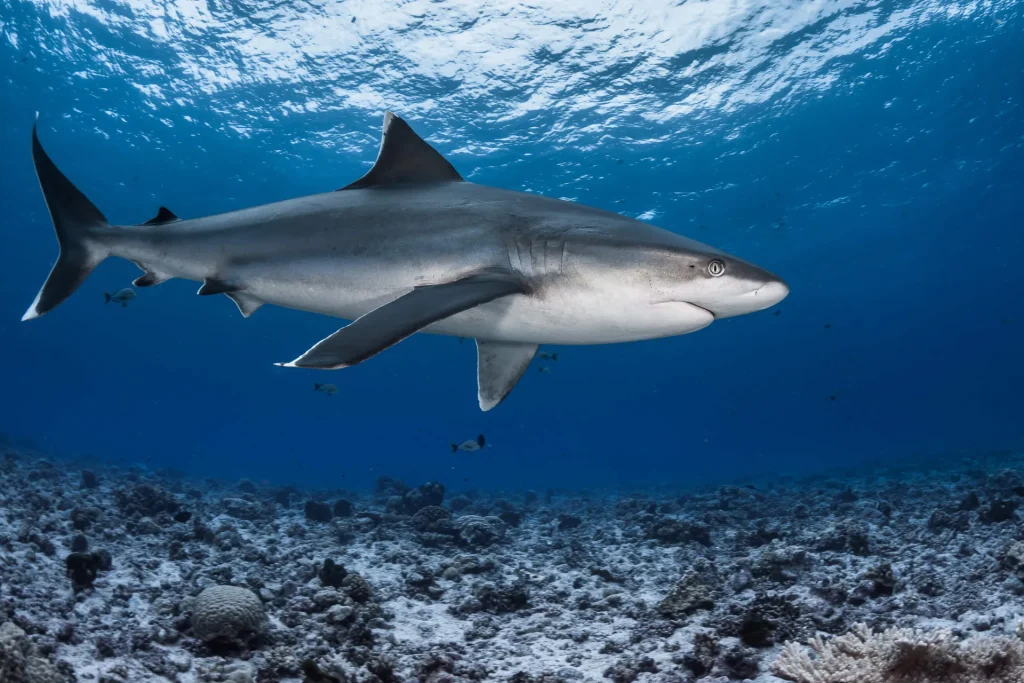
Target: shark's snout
x: 772, y: 292
x: 755, y: 296
x: 742, y: 289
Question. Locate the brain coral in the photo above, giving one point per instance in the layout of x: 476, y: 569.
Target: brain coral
x: 228, y: 614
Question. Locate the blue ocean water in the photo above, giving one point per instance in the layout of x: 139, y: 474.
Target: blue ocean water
x: 871, y: 153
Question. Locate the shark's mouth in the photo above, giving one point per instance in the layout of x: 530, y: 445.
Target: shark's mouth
x: 708, y: 311
x: 683, y: 317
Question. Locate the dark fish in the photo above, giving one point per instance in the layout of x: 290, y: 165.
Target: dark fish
x: 121, y: 296
x: 470, y: 445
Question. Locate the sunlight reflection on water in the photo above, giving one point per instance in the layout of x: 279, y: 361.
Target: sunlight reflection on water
x: 587, y: 65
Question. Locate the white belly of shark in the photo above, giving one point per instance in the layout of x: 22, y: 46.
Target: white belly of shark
x: 411, y: 247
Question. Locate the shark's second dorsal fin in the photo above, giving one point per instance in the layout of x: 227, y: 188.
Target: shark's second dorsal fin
x: 405, y: 157
x: 164, y: 215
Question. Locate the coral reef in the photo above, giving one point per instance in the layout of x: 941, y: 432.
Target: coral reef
x: 134, y: 576
x: 20, y: 662
x: 903, y: 656
x: 228, y: 614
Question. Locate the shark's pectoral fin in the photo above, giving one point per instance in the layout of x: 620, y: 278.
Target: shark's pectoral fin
x: 215, y: 286
x: 394, y: 321
x: 150, y: 276
x: 405, y: 157
x: 247, y: 303
x: 499, y: 366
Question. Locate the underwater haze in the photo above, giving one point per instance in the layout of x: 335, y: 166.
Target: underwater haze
x: 870, y: 153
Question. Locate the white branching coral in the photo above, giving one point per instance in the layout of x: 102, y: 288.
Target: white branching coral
x: 902, y: 656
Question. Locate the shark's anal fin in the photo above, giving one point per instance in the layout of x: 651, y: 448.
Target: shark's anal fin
x: 247, y: 303
x: 215, y: 286
x: 394, y: 321
x: 405, y: 157
x: 499, y: 365
x: 149, y: 277
x: 164, y: 215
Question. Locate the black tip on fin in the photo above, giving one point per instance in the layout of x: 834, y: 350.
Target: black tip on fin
x: 164, y: 215
x: 480, y: 440
x: 454, y: 448
x: 106, y: 298
x: 316, y: 387
x: 405, y: 157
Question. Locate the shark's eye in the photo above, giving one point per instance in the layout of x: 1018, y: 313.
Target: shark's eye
x: 716, y: 268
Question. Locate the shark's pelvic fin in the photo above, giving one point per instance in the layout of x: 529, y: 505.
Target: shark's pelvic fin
x: 406, y: 315
x: 405, y: 157
x: 247, y: 303
x: 215, y: 286
x: 499, y: 365
x: 164, y: 215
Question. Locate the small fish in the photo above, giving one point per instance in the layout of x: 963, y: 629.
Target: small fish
x: 121, y: 296
x: 328, y: 389
x: 544, y: 370
x: 828, y: 326
x: 544, y: 355
x: 470, y: 445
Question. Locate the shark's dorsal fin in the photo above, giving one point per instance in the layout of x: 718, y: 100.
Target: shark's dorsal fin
x: 164, y: 215
x: 405, y: 157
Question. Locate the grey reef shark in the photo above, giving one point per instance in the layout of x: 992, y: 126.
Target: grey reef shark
x: 412, y: 247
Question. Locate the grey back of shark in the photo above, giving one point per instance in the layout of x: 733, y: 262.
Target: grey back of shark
x: 412, y: 247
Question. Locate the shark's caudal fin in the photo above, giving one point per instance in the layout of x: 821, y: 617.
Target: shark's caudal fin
x: 76, y: 221
x: 499, y: 366
x: 405, y: 157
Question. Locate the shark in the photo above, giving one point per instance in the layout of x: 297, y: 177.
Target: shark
x: 411, y: 246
